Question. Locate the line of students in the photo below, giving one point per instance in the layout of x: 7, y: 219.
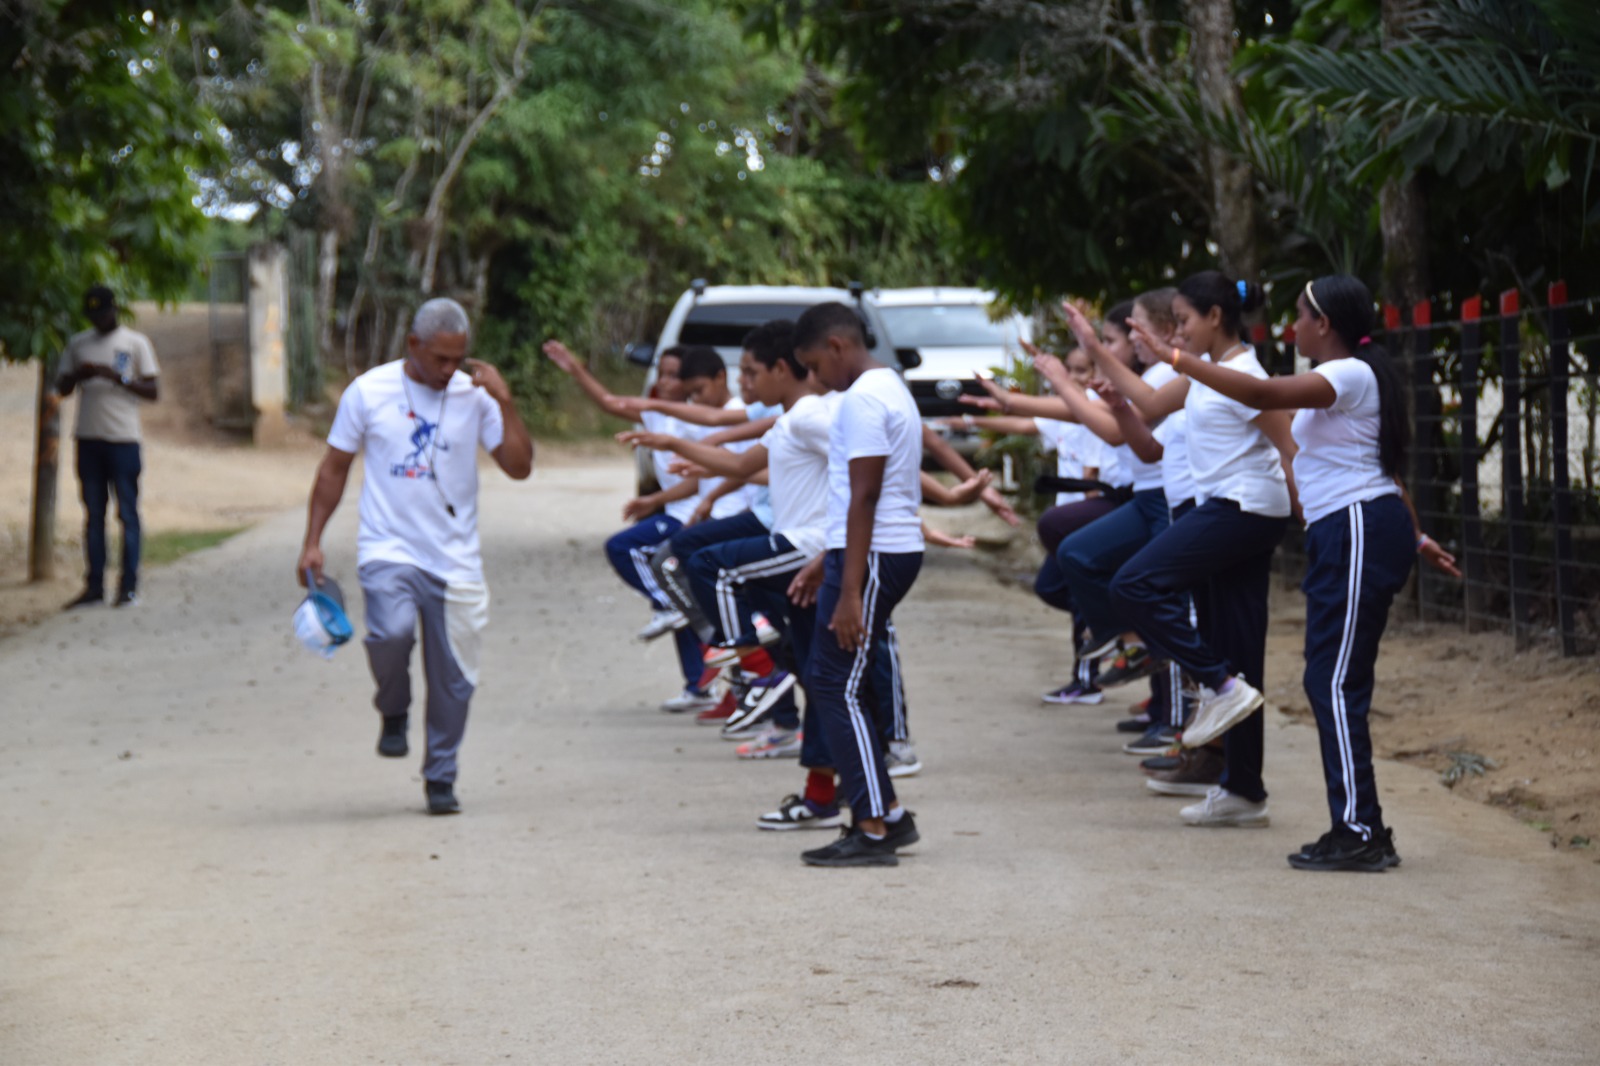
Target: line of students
x: 800, y: 596
x: 1176, y: 577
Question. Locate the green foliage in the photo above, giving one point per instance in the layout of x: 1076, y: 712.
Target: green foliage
x: 100, y: 136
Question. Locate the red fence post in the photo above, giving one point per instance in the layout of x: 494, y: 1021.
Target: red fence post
x: 1511, y: 474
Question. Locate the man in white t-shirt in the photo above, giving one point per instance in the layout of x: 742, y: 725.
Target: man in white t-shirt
x: 874, y: 546
x: 113, y: 370
x: 418, y: 424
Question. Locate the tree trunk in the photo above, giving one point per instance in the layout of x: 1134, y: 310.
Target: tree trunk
x: 1233, y: 218
x: 46, y: 463
x: 327, y: 289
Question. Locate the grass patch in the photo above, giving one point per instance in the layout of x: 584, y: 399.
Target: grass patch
x: 161, y: 548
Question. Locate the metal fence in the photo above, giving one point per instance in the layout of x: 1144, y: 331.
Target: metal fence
x: 1504, y: 464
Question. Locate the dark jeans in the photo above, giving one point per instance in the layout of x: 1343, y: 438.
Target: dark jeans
x: 1091, y: 557
x: 1055, y: 526
x: 1227, y: 552
x: 105, y: 467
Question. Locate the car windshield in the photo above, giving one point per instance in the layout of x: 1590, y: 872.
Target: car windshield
x: 725, y: 325
x: 946, y: 326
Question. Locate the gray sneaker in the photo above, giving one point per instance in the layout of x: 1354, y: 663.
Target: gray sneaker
x: 901, y: 759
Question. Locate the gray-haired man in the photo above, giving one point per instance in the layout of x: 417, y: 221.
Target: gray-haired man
x: 418, y: 423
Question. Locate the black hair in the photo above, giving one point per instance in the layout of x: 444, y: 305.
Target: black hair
x: 700, y: 361
x: 1210, y: 288
x: 674, y: 352
x: 1121, y: 316
x: 1346, y: 303
x: 772, y: 343
x: 823, y: 321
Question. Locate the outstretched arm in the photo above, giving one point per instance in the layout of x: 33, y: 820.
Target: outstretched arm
x: 695, y: 413
x: 1289, y: 393
x: 719, y: 461
x: 952, y: 461
x: 1093, y: 414
x: 569, y: 364
x: 937, y: 493
x: 1134, y: 429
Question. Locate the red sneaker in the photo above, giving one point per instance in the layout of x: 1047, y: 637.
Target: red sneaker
x: 721, y: 712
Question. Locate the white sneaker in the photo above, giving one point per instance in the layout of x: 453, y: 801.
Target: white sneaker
x: 1221, y: 807
x: 690, y: 700
x: 902, y: 759
x: 661, y: 623
x: 1220, y: 712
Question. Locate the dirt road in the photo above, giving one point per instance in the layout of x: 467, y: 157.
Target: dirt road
x: 206, y: 863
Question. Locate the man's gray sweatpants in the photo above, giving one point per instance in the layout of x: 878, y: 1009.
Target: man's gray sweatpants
x: 452, y: 617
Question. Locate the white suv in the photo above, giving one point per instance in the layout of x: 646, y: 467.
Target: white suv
x: 957, y: 341
x: 721, y: 315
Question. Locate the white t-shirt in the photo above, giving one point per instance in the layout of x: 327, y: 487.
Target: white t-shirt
x: 1338, y: 463
x: 878, y: 417
x: 735, y: 502
x: 656, y: 422
x: 107, y: 410
x: 1145, y: 475
x: 417, y: 458
x: 1231, y: 458
x: 761, y: 495
x: 1076, y: 448
x: 1177, y: 475
x: 797, y: 467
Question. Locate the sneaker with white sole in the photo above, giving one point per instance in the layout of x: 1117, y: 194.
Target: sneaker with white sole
x: 761, y: 698
x: 690, y: 700
x: 1156, y: 740
x: 1221, y: 711
x: 661, y: 623
x: 1077, y: 692
x: 795, y: 812
x: 775, y: 743
x: 1223, y: 808
x: 901, y: 758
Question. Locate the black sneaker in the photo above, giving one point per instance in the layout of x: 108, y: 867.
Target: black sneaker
x: 127, y: 598
x: 1156, y: 740
x: 1161, y: 763
x: 88, y: 599
x: 441, y: 797
x: 902, y: 834
x: 1385, y: 836
x: 1340, y: 851
x: 853, y: 848
x: 1132, y: 664
x: 1137, y: 724
x: 392, y: 741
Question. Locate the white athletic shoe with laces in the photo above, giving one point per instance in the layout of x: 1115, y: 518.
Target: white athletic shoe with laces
x: 1223, y: 808
x: 1221, y: 711
x: 662, y: 623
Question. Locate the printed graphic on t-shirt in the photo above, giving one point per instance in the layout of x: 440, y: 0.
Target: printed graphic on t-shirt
x: 425, y: 446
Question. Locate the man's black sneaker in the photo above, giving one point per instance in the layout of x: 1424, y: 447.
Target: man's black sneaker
x: 1137, y: 724
x: 902, y: 834
x: 853, y: 848
x: 1132, y: 664
x: 1155, y: 741
x: 88, y: 599
x: 441, y: 797
x: 1340, y: 851
x: 392, y: 741
x: 127, y: 598
x: 1385, y: 836
x: 1161, y: 763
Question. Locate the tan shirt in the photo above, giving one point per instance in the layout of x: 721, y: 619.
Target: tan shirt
x: 106, y: 410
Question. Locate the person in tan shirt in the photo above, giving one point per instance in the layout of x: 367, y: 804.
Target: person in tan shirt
x: 114, y: 371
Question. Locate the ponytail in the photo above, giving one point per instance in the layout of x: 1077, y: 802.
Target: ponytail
x: 1347, y: 305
